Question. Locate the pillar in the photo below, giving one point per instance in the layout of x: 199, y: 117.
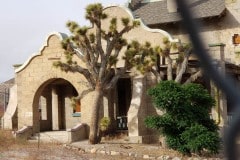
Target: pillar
x: 55, y: 120
x: 219, y: 112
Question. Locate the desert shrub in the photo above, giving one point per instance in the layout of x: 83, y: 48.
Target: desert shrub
x: 104, y: 123
x: 186, y: 123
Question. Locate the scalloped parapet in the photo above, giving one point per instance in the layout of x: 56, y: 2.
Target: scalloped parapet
x: 61, y: 36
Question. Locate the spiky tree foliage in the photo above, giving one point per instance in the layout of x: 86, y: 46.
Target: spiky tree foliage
x: 99, y: 62
x: 146, y: 58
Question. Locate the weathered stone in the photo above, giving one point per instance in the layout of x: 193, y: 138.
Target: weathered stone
x: 163, y: 157
x: 101, y: 151
x: 132, y: 154
x: 124, y: 154
x: 176, y: 158
x: 93, y: 150
x: 114, y: 153
x: 145, y: 156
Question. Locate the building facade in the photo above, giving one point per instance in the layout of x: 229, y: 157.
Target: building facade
x: 44, y: 94
x: 219, y: 29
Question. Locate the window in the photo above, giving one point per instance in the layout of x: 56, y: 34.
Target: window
x: 77, y: 106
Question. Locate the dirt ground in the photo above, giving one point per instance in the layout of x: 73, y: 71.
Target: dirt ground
x: 12, y: 149
x: 49, y: 152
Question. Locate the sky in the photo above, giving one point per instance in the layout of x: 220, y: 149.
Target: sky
x: 25, y: 24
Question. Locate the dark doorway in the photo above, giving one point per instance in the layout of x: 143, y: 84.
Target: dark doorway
x: 124, y: 96
x: 124, y: 91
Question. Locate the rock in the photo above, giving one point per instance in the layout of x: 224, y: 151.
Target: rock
x: 193, y: 158
x: 163, y: 158
x: 101, y: 152
x: 93, y: 150
x: 145, y: 156
x: 176, y: 158
x: 124, y: 154
x: 131, y: 154
x: 114, y: 153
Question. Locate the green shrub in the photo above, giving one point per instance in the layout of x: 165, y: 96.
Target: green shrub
x: 186, y: 123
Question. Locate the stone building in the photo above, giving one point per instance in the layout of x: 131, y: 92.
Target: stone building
x: 4, y: 97
x: 43, y: 93
x: 219, y: 21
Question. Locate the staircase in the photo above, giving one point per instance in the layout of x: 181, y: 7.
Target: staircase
x: 51, y: 137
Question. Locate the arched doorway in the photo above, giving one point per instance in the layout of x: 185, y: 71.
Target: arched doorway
x: 52, y: 105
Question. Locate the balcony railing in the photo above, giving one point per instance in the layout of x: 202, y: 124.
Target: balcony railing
x: 122, y: 123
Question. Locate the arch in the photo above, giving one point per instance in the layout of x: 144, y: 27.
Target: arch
x: 52, y: 105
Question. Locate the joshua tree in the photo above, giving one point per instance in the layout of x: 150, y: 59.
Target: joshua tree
x: 146, y: 58
x: 99, y: 67
x: 99, y: 52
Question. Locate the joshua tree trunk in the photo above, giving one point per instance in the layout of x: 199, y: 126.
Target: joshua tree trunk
x: 94, y: 127
x: 169, y: 68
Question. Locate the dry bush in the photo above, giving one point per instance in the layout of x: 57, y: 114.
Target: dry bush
x: 7, y: 140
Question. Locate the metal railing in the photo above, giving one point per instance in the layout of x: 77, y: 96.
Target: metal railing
x: 122, y: 123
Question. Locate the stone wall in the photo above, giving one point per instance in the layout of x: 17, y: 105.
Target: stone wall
x: 217, y: 30
x: 37, y: 73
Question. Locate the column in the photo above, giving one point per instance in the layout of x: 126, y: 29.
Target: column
x: 219, y: 112
x: 55, y: 120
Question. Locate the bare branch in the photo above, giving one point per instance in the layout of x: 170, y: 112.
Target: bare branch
x: 89, y: 49
x: 114, y: 80
x: 157, y: 74
x: 193, y: 77
x: 183, y: 66
x: 76, y: 68
x: 169, y: 68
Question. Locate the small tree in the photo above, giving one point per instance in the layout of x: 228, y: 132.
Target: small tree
x: 186, y: 123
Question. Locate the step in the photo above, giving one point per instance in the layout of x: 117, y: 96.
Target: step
x: 51, y: 136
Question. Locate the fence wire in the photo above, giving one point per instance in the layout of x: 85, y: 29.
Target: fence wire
x: 222, y: 81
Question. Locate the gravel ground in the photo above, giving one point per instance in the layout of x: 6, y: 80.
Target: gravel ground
x: 12, y: 149
x: 50, y: 152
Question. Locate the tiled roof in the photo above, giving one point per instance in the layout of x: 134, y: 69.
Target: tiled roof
x: 157, y: 13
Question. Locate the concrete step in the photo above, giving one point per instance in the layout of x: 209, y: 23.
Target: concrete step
x: 51, y: 136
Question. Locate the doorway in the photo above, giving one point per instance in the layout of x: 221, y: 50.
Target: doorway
x: 124, y: 92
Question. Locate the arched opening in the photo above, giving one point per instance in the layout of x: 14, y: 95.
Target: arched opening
x: 52, y: 108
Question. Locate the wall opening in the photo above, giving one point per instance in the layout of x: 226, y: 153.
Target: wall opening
x: 54, y: 104
x: 124, y: 92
